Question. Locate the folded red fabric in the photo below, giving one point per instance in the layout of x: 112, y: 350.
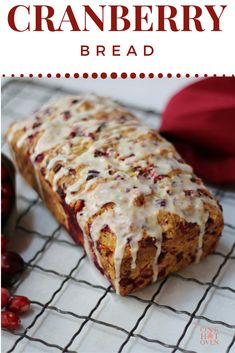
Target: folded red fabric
x: 200, y: 121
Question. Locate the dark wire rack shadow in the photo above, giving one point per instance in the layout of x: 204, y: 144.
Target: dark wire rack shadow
x: 19, y: 98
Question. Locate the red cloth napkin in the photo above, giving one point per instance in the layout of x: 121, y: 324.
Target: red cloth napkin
x: 200, y: 121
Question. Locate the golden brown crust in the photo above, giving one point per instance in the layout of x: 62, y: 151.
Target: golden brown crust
x: 179, y: 238
x: 179, y: 249
x: 179, y: 245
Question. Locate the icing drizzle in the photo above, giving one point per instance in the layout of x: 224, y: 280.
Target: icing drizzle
x: 117, y: 161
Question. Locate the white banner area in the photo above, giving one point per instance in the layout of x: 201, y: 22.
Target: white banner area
x: 95, y: 36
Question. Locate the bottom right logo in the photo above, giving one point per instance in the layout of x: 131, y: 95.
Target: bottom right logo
x: 209, y: 336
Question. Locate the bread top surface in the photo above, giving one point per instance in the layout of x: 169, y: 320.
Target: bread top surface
x: 120, y: 172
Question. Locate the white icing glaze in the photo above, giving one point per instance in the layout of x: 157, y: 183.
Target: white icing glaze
x: 53, y: 135
x: 14, y: 128
x: 62, y: 172
x: 115, y: 149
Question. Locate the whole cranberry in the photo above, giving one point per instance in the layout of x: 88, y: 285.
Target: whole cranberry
x: 5, y: 205
x: 9, y: 320
x: 3, y: 243
x: 18, y: 304
x: 7, y: 190
x: 4, y: 297
x: 11, y: 265
x: 4, y: 173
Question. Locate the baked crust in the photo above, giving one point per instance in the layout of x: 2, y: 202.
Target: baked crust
x: 178, y: 244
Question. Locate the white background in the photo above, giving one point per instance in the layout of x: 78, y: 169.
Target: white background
x: 181, y: 52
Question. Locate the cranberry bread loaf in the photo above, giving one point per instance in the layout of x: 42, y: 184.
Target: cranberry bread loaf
x: 118, y: 187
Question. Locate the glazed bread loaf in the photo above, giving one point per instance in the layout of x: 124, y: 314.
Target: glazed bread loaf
x: 118, y: 187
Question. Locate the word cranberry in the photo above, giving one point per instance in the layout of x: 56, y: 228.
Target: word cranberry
x: 9, y: 320
x: 4, y: 297
x: 18, y: 304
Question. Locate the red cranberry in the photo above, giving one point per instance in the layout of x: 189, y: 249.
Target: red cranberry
x: 18, y: 304
x: 98, y: 153
x: 12, y: 262
x: 72, y: 171
x: 4, y: 297
x: 159, y: 177
x: 43, y: 171
x: 9, y: 320
x: 67, y: 115
x: 61, y: 192
x: 11, y: 265
x: 7, y: 190
x: 188, y: 192
x: 160, y: 202
x: 37, y: 124
x: 39, y: 158
x: 3, y: 243
x: 57, y: 167
x: 30, y: 137
x: 72, y: 134
x: 74, y: 101
x: 4, y: 173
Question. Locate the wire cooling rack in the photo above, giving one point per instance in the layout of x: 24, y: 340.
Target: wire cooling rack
x: 74, y: 309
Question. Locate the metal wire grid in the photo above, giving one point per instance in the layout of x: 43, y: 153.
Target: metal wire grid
x: 20, y: 91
